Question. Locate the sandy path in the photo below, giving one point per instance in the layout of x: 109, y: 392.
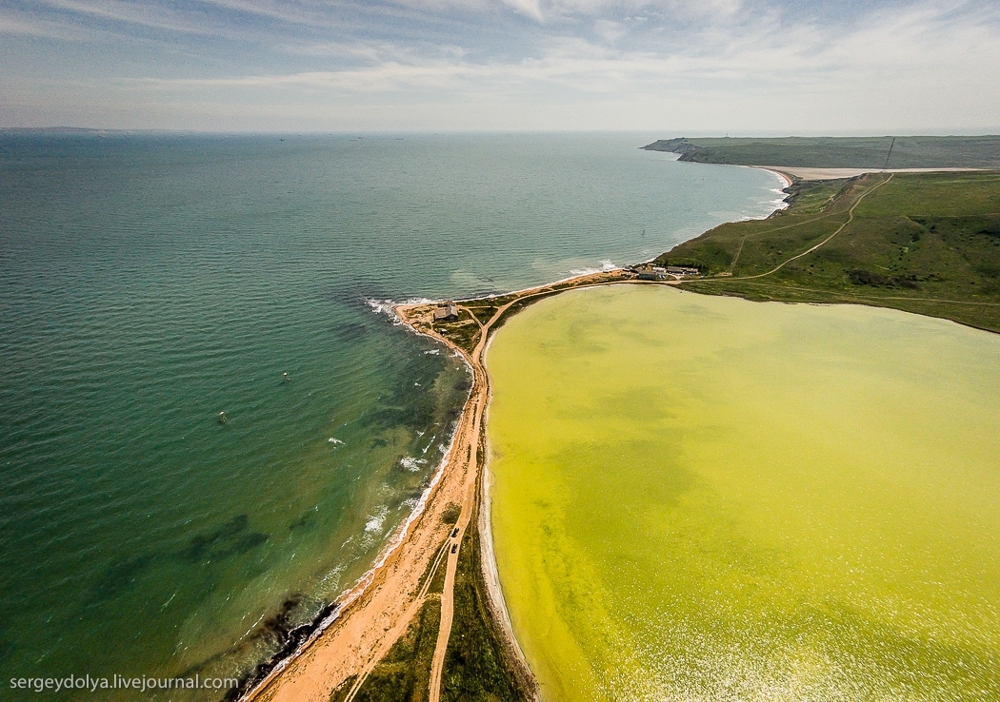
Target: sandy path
x: 377, y: 611
x: 400, y: 627
x: 468, y: 504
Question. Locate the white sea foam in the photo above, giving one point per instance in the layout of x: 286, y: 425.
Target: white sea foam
x: 351, y: 594
x: 412, y: 464
x: 428, y: 446
x: 605, y: 266
x: 376, y: 520
x: 432, y: 352
x: 384, y: 307
x: 335, y: 442
x: 332, y: 577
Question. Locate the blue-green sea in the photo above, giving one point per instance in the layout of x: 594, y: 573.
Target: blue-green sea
x: 150, y: 282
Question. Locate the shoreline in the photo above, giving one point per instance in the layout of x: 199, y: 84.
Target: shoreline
x: 338, y: 617
x: 359, y: 628
x: 496, y: 602
x: 351, y: 634
x: 781, y: 174
x: 332, y: 612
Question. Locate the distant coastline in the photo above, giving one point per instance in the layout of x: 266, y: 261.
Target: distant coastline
x: 868, y: 153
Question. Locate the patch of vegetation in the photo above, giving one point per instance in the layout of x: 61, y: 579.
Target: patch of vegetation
x: 476, y: 665
x: 404, y: 674
x: 755, y: 246
x: 463, y: 332
x: 812, y: 197
x: 484, y: 311
x: 437, y: 582
x: 841, y: 152
x: 859, y: 276
x: 524, y: 302
x: 451, y: 513
x: 927, y: 243
x: 434, y: 569
x: 340, y: 694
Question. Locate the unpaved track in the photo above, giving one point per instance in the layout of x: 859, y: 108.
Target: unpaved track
x: 468, y: 507
x: 850, y: 218
x: 377, y: 612
x: 381, y: 613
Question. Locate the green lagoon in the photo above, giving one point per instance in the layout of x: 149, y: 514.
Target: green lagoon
x: 703, y: 498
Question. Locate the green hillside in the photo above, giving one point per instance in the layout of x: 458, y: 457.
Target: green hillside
x: 923, y: 242
x: 841, y: 152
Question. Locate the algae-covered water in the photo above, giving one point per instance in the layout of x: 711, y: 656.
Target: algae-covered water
x: 701, y: 498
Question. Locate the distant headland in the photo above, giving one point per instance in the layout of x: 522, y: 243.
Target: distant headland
x: 884, y: 153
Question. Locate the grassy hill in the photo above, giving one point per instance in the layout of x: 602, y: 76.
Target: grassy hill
x: 841, y: 152
x: 927, y: 243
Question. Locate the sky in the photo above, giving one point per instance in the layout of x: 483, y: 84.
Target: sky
x: 673, y: 67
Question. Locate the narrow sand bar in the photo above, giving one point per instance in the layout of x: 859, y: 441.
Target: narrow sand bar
x: 377, y: 610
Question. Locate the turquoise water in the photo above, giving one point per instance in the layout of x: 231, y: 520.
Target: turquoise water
x: 149, y: 283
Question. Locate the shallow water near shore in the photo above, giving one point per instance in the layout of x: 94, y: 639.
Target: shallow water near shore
x: 699, y: 498
x: 148, y: 283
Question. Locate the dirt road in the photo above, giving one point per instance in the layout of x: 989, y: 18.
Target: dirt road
x: 378, y: 610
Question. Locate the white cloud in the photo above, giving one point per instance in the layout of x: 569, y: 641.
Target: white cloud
x: 34, y: 27
x: 929, y: 65
x: 529, y: 8
x: 148, y: 15
x: 907, y: 46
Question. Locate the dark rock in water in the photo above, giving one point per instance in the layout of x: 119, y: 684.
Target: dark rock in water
x: 228, y: 540
x: 280, y: 623
x: 289, y: 640
x: 240, y: 545
x: 408, y: 402
x: 203, y: 542
x: 119, y: 578
x: 304, y: 521
x: 378, y: 443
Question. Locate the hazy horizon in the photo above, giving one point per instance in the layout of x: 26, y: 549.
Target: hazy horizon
x: 643, y: 133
